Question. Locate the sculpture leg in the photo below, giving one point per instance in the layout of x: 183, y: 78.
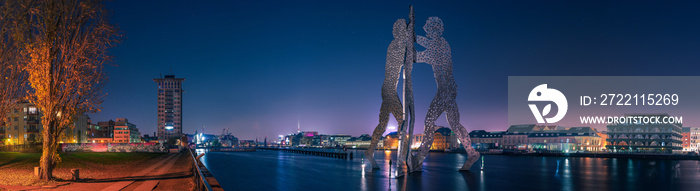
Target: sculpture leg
x: 407, y: 154
x: 424, y: 148
x: 462, y: 135
x: 387, y: 108
x: 404, y: 150
x: 472, y: 154
x: 433, y: 113
x: 400, y: 161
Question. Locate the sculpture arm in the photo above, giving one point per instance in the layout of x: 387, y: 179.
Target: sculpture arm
x: 422, y: 56
x: 423, y: 41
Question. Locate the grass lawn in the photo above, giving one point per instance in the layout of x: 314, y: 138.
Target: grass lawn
x: 111, y: 158
x: 18, y: 168
x: 17, y: 158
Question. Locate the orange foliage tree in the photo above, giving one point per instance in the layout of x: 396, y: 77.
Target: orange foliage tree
x: 69, y: 42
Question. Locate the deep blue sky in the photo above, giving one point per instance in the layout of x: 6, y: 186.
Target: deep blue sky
x: 257, y: 67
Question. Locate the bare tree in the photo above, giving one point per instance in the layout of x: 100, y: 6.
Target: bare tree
x: 69, y: 42
x: 13, y: 77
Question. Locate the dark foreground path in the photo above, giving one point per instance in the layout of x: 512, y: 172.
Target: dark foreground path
x: 162, y: 172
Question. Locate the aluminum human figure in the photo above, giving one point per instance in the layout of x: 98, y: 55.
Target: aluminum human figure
x: 391, y: 104
x: 438, y: 54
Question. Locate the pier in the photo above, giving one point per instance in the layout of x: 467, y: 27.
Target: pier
x: 332, y: 154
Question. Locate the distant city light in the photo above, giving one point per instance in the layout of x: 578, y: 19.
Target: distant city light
x: 169, y: 127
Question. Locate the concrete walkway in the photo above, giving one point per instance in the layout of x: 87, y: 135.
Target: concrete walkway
x: 166, y: 173
x: 122, y: 184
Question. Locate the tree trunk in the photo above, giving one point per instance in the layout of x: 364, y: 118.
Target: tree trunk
x: 47, y: 156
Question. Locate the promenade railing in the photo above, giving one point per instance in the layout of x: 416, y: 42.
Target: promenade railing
x: 199, y: 180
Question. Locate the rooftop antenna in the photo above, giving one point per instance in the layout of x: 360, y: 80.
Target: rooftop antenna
x: 160, y: 74
x: 171, y: 71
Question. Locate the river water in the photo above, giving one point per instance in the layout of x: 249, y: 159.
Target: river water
x: 275, y: 170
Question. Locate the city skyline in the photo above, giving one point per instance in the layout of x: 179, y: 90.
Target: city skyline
x: 349, y: 95
x: 273, y: 68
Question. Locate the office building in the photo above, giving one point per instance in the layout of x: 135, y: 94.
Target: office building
x: 169, y: 107
x: 125, y: 132
x: 645, y: 137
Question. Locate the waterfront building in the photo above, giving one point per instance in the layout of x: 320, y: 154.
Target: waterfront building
x: 23, y: 125
x: 304, y: 138
x: 417, y: 141
x: 689, y: 136
x: 309, y: 133
x: 483, y: 140
x: 321, y: 140
x: 694, y: 139
x: 685, y: 137
x: 247, y: 143
x: 568, y: 140
x: 645, y: 137
x: 326, y: 140
x: 540, y: 138
x: 339, y: 140
x: 444, y: 139
x: 204, y: 140
x: 125, y: 132
x: 391, y: 140
x: 362, y: 141
x: 603, y: 139
x: 169, y: 107
x: 228, y: 140
x: 288, y: 140
x: 306, y: 141
x: 294, y: 139
x: 516, y: 136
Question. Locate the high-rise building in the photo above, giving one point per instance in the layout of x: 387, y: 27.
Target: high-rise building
x: 169, y: 107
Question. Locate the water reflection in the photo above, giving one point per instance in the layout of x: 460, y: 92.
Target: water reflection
x: 272, y: 170
x: 567, y: 183
x: 280, y: 170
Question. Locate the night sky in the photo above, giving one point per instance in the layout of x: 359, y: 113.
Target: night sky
x: 258, y: 67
